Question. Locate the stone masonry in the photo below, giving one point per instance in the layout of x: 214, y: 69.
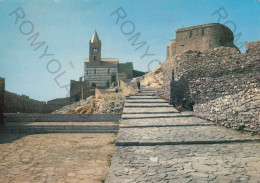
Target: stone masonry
x: 223, y: 83
x: 156, y: 143
x: 23, y: 104
x: 201, y: 38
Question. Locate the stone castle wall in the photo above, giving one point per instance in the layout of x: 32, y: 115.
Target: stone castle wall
x: 223, y: 83
x: 201, y: 38
x: 126, y: 68
x: 14, y: 103
x: 79, y: 90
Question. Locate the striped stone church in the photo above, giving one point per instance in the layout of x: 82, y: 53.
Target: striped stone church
x: 101, y: 72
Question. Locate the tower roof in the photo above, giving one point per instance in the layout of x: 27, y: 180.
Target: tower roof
x: 95, y: 38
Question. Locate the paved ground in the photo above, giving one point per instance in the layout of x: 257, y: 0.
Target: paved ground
x: 156, y: 143
x: 62, y: 158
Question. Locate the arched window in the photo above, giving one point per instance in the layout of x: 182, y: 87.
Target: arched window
x: 95, y: 58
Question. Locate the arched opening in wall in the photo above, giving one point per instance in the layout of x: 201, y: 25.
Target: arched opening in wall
x: 172, y: 75
x: 77, y: 98
x: 95, y: 58
x: 93, y: 85
x: 113, y: 77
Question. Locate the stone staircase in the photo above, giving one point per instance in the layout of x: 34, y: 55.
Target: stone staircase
x: 157, y: 143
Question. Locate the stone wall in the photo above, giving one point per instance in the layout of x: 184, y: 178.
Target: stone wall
x: 223, y: 83
x: 126, y: 68
x: 137, y: 73
x: 14, y: 103
x: 2, y: 91
x: 201, y: 38
x: 100, y: 75
x: 79, y: 90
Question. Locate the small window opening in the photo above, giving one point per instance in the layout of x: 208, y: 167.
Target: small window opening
x: 190, y: 33
x: 202, y: 32
x: 95, y: 49
x: 95, y: 58
x: 108, y: 71
x: 95, y: 71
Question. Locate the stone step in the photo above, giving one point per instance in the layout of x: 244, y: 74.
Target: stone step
x: 62, y: 117
x: 152, y: 116
x: 59, y: 129
x: 181, y: 134
x: 148, y: 109
x: 147, y: 104
x: 205, y: 142
x: 178, y: 120
x: 142, y: 97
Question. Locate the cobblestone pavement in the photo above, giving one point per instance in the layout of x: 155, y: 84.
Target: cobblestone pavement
x: 61, y: 158
x: 156, y: 143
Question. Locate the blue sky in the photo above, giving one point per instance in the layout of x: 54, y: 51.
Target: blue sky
x: 67, y: 26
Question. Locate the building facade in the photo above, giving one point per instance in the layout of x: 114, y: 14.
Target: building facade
x: 79, y: 90
x: 201, y: 38
x: 101, y: 72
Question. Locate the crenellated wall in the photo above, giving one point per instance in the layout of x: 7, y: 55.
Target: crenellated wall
x: 223, y: 83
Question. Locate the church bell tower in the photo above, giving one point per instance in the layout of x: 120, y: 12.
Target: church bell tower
x: 95, y: 48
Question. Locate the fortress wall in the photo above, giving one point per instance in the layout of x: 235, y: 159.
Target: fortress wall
x: 203, y: 37
x: 126, y: 68
x: 14, y: 103
x: 223, y: 83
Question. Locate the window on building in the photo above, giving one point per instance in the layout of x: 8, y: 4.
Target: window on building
x: 108, y: 71
x: 87, y: 72
x: 202, y: 31
x: 95, y: 58
x: 95, y: 71
x: 95, y: 49
x: 190, y: 33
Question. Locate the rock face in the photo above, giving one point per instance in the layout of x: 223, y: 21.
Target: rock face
x: 153, y: 79
x: 223, y: 83
x: 106, y: 103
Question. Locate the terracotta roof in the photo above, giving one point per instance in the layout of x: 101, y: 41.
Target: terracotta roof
x: 110, y: 60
